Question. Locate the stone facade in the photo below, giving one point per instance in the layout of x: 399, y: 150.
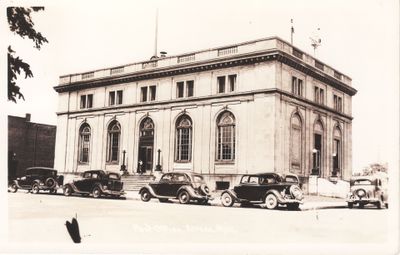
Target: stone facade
x: 29, y: 144
x: 252, y: 107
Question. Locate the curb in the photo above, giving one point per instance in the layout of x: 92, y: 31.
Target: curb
x: 302, y: 208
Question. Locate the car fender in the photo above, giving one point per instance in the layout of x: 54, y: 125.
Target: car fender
x: 276, y: 193
x: 230, y: 192
x: 72, y: 185
x: 189, y: 189
x: 16, y: 183
x: 149, y: 188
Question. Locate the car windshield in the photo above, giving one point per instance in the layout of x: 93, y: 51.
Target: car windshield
x: 113, y: 176
x: 197, y: 178
x: 291, y: 179
x: 362, y: 182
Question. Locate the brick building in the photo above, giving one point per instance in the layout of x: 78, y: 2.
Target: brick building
x: 29, y: 144
x: 256, y: 106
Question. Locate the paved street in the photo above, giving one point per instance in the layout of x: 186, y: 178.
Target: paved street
x: 41, y: 218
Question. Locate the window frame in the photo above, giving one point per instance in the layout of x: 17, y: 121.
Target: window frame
x: 229, y: 130
x: 179, y: 132
x: 111, y: 133
x: 227, y: 83
x: 82, y: 142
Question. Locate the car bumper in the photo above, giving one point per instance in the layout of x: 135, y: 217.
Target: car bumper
x: 291, y: 201
x: 362, y: 200
x: 114, y: 193
x: 202, y: 197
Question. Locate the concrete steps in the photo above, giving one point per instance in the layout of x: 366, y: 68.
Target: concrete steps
x: 135, y: 182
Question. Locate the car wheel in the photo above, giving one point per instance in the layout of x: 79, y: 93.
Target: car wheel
x: 184, y: 197
x: 145, y: 195
x: 67, y: 191
x: 271, y: 202
x: 293, y: 206
x: 35, y: 188
x: 227, y: 200
x: 96, y: 192
x: 53, y: 191
x: 350, y: 205
x: 13, y: 188
x: 360, y: 205
x: 379, y: 204
x: 163, y: 200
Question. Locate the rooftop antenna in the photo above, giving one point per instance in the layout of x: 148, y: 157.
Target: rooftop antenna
x: 291, y: 32
x: 315, y: 40
x: 155, y: 37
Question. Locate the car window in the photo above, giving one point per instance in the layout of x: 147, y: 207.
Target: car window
x: 95, y: 176
x: 179, y: 177
x: 253, y: 179
x: 86, y: 175
x: 269, y: 180
x: 113, y: 176
x: 166, y: 177
x: 291, y: 179
x: 245, y: 179
x: 362, y: 182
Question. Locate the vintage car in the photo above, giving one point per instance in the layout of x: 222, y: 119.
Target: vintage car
x: 38, y: 178
x: 184, y: 186
x: 97, y: 183
x: 368, y: 190
x: 270, y: 189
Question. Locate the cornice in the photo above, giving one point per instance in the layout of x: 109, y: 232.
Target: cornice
x: 247, y: 59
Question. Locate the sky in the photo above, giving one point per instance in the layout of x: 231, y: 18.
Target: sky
x: 360, y: 38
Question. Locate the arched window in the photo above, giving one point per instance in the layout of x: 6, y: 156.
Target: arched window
x: 226, y: 137
x: 84, y: 143
x: 296, y: 151
x: 183, y: 152
x: 114, y: 133
x: 337, y: 150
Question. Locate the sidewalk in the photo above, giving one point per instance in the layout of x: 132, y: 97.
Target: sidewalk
x: 310, y: 202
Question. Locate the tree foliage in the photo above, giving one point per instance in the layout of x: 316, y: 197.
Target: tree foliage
x: 375, y: 168
x: 21, y: 23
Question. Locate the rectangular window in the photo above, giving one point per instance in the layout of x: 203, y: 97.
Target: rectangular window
x: 152, y: 93
x: 221, y: 84
x: 337, y: 103
x: 232, y: 82
x: 180, y: 89
x: 189, y: 88
x: 86, y: 101
x: 111, y: 98
x: 297, y: 86
x: 83, y: 101
x: 316, y: 94
x: 321, y: 96
x: 90, y: 101
x: 143, y: 94
x: 119, y: 97
x: 300, y: 88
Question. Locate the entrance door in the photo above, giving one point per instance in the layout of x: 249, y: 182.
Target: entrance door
x: 146, y: 144
x: 317, y: 155
x: 146, y: 156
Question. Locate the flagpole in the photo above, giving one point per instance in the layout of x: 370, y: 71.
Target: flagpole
x: 291, y: 32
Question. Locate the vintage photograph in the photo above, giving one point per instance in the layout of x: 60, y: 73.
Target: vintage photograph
x: 200, y: 127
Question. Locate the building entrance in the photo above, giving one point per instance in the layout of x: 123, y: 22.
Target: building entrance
x: 146, y: 144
